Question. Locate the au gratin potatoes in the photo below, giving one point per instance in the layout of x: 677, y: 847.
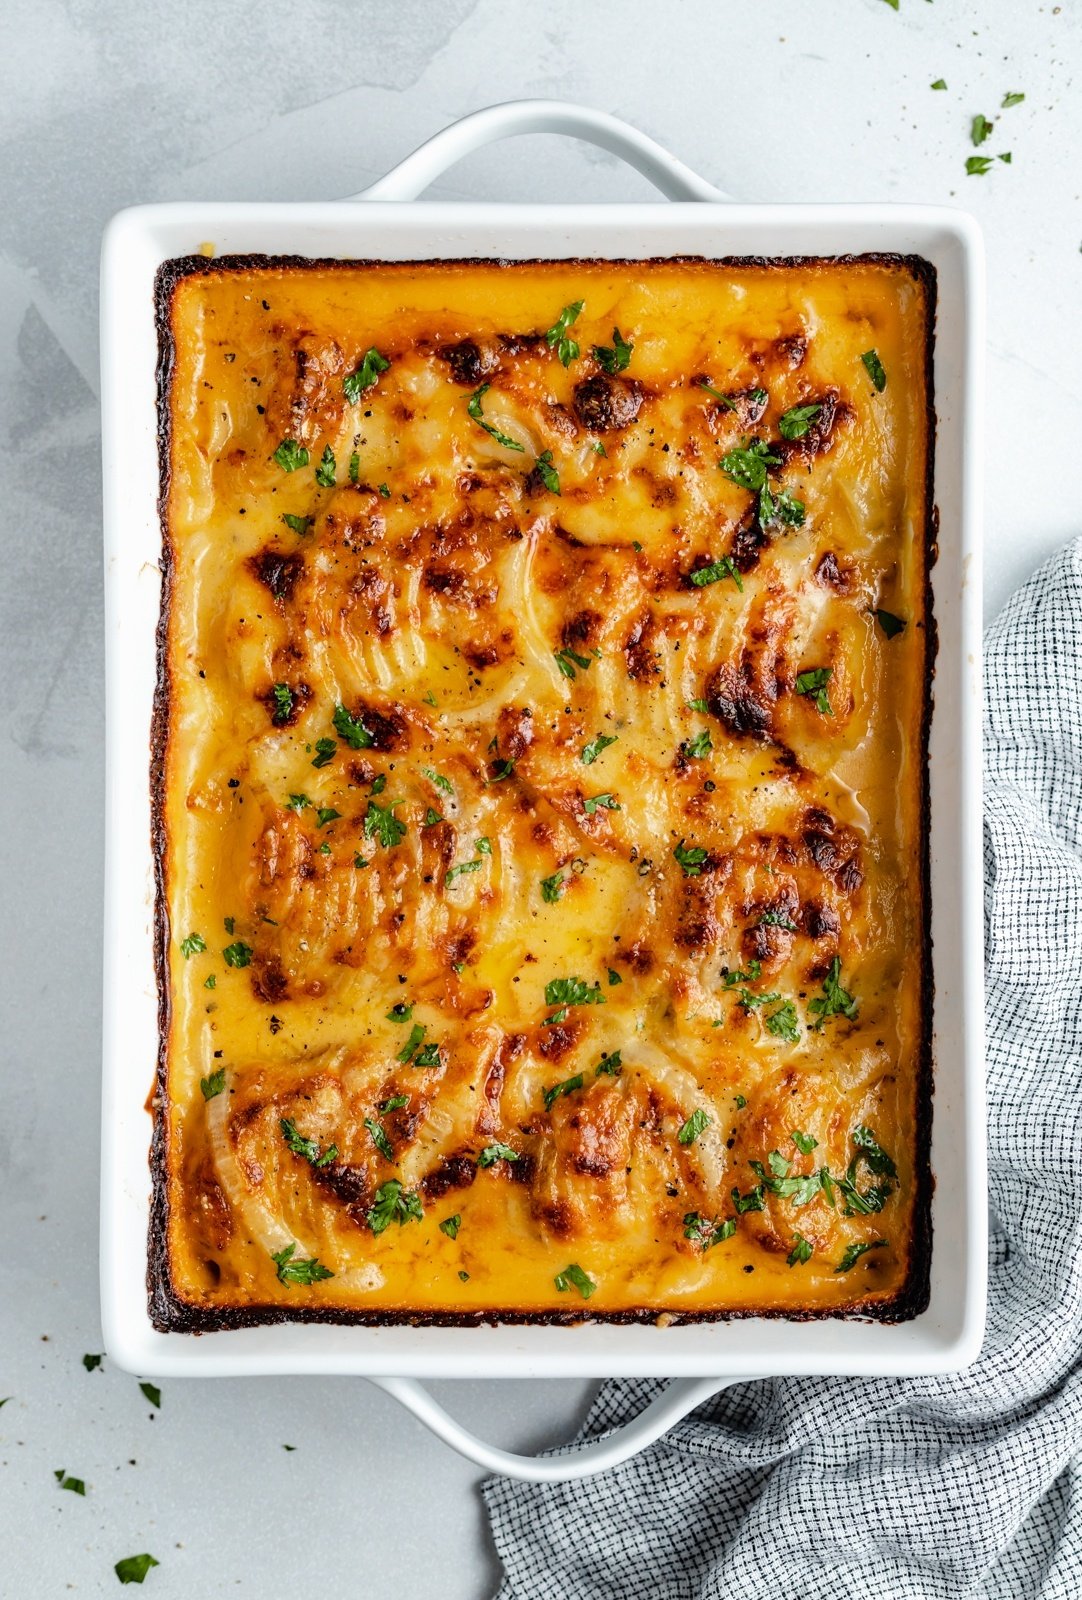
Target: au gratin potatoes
x: 539, y: 782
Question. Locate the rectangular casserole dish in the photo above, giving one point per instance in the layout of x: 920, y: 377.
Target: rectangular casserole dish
x: 948, y: 1333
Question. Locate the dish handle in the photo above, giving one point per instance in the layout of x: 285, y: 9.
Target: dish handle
x: 431, y: 159
x: 679, y: 1396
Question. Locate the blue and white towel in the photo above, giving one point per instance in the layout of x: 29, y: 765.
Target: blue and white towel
x: 904, y: 1489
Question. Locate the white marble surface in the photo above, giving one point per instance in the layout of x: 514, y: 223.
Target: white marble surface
x: 109, y: 102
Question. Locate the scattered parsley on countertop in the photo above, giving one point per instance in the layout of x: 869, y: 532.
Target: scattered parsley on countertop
x: 133, y: 1569
x: 152, y: 1393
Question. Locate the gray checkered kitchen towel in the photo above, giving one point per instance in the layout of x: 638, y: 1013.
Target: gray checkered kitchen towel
x: 904, y: 1489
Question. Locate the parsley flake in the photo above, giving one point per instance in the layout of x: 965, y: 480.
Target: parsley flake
x: 813, y: 684
x: 365, y: 376
x: 875, y: 369
x: 697, y: 1123
x: 574, y: 1277
x: 352, y: 729
x: 213, y: 1085
x: 496, y: 1152
x: 747, y: 467
x: 473, y: 406
x: 591, y: 751
x: 616, y: 357
x: 304, y: 1272
x: 193, y: 945
x: 568, y: 1086
x: 556, y: 337
x: 393, y: 1203
x: 290, y: 455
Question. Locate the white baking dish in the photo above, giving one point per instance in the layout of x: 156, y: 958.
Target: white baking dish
x: 705, y: 1355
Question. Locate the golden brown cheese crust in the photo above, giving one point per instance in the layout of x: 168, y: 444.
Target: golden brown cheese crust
x: 541, y: 830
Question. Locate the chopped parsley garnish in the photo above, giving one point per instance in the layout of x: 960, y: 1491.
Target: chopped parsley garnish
x: 193, y: 945
x: 229, y: 924
x: 814, y: 684
x: 609, y: 1065
x: 747, y: 467
x: 360, y: 861
x: 574, y: 1277
x: 464, y: 1276
x: 304, y: 1272
x: 873, y: 1153
x: 290, y: 455
x: 326, y: 750
x: 325, y: 472
x: 413, y: 1043
x: 379, y: 1138
x: 547, y: 472
x: 397, y: 1102
x: 835, y: 1000
x: 568, y: 660
x: 214, y: 1084
x: 238, y: 954
x: 355, y: 468
x: 572, y: 992
x: 699, y: 747
x: 393, y: 1204
x: 698, y: 705
x: 92, y: 1363
x: 777, y: 919
x: 496, y: 1152
x: 379, y: 783
x: 151, y: 1392
x: 614, y: 978
x: 795, y: 422
x: 439, y: 780
x: 298, y: 802
x: 875, y: 369
x: 977, y: 166
x: 324, y: 848
x: 782, y: 1023
x: 298, y: 524
x: 721, y: 568
x: 752, y: 1201
x: 307, y: 1148
x: 504, y: 770
x: 365, y: 376
x: 380, y: 823
x: 616, y: 357
x: 351, y: 729
x: 567, y: 1087
x: 781, y: 507
x: 431, y: 818
x: 1011, y: 99
x: 133, y: 1569
x: 567, y: 349
x: 741, y: 1101
x: 551, y: 888
x: 940, y: 83
x: 607, y: 801
x: 724, y: 398
x: 801, y: 1251
x: 980, y: 128
x: 210, y: 982
x: 76, y: 1485
x: 891, y: 625
x: 385, y: 491
x: 463, y: 866
x: 283, y: 701
x: 591, y: 751
x: 804, y: 1142
x: 451, y: 1225
x: 428, y: 1055
x: 473, y: 406
x: 704, y: 1233
x: 853, y: 1253
x: 399, y: 1013
x: 692, y: 858
x: 697, y: 1123
x: 326, y: 814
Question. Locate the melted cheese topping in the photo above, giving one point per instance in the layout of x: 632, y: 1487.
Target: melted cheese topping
x: 558, y: 757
